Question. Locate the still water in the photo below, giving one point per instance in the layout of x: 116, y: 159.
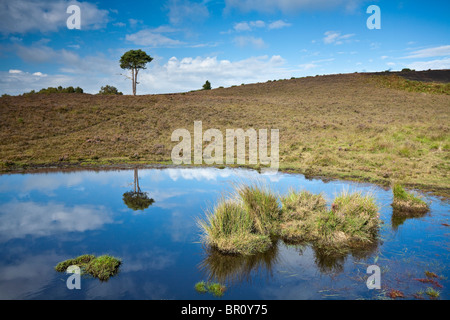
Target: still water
x: 46, y: 218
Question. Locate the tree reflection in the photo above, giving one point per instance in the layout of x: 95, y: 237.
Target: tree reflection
x: 136, y: 199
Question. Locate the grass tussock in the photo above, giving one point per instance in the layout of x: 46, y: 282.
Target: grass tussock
x: 406, y: 203
x: 353, y: 219
x: 247, y: 224
x: 216, y: 289
x: 232, y: 229
x: 102, y: 267
x: 300, y: 214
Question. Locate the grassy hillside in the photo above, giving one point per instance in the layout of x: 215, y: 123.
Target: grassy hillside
x: 355, y: 126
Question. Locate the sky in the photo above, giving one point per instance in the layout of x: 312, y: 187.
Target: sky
x: 227, y: 42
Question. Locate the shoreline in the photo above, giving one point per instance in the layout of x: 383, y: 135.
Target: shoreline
x: 110, y: 165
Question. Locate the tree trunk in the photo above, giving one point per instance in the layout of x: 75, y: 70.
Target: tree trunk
x: 133, y: 79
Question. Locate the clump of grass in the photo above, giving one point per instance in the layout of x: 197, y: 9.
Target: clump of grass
x: 214, y: 288
x: 299, y: 215
x: 80, y: 261
x: 353, y: 218
x: 231, y: 229
x: 407, y: 203
x: 200, y: 287
x: 262, y: 206
x: 247, y: 223
x: 102, y: 267
x: 432, y: 293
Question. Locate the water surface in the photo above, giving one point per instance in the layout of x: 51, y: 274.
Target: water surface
x: 49, y: 217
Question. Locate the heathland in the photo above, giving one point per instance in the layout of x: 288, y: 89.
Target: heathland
x: 382, y: 128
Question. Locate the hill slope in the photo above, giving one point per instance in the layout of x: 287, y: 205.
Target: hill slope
x: 339, y: 126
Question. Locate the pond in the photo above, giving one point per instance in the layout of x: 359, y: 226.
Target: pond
x: 46, y: 218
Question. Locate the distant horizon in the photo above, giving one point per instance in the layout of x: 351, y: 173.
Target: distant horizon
x: 237, y: 85
x: 227, y: 42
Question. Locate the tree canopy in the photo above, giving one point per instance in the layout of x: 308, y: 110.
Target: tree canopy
x: 134, y: 60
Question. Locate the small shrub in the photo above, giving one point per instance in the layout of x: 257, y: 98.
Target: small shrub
x: 109, y: 90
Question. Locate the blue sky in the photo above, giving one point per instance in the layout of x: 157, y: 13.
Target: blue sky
x: 226, y: 42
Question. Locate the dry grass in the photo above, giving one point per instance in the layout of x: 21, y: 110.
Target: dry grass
x: 337, y: 126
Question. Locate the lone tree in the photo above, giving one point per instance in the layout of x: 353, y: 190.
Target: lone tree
x: 134, y: 60
x: 207, y: 85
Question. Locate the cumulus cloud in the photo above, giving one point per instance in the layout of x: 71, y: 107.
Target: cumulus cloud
x: 22, y: 16
x: 19, y: 219
x: 179, y: 75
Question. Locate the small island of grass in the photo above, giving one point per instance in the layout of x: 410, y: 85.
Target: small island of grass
x: 252, y: 218
x: 102, y: 267
x: 406, y: 203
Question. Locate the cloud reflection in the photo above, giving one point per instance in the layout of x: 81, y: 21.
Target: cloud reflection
x: 19, y: 219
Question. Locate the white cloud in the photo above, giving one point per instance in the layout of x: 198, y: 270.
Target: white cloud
x: 289, y: 6
x: 252, y: 41
x: 19, y: 219
x: 22, y: 16
x: 434, y: 64
x: 242, y: 26
x: 278, y: 25
x: 39, y: 74
x: 336, y: 37
x: 430, y: 52
x: 15, y: 71
x: 152, y: 38
x: 180, y: 75
x: 251, y: 25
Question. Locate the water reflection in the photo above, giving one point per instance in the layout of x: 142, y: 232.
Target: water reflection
x: 136, y: 199
x: 49, y: 217
x: 234, y: 269
x: 398, y: 218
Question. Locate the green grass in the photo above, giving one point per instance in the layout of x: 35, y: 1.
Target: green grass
x: 406, y: 202
x: 262, y: 206
x: 397, y: 82
x: 216, y: 289
x: 249, y: 222
x: 432, y: 293
x: 231, y: 229
x: 300, y: 214
x: 102, y: 267
x: 80, y: 261
x: 353, y: 218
